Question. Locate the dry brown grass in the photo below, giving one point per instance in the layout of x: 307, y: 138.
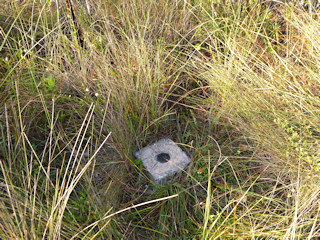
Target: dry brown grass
x: 235, y: 84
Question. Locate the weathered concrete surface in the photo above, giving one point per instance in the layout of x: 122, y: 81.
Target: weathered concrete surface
x: 163, y: 159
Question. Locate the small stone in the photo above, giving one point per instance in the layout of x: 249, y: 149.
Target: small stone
x: 163, y: 159
x: 86, y: 154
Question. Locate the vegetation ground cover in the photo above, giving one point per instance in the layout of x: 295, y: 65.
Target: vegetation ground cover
x: 83, y: 85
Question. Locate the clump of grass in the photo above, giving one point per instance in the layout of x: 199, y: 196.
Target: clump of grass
x: 269, y: 100
x: 37, y: 183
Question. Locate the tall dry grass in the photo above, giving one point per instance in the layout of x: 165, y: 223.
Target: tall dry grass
x: 234, y: 83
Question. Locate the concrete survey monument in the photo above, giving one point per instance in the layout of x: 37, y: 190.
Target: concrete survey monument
x: 163, y: 159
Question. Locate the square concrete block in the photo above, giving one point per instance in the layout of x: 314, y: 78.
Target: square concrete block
x: 163, y: 159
